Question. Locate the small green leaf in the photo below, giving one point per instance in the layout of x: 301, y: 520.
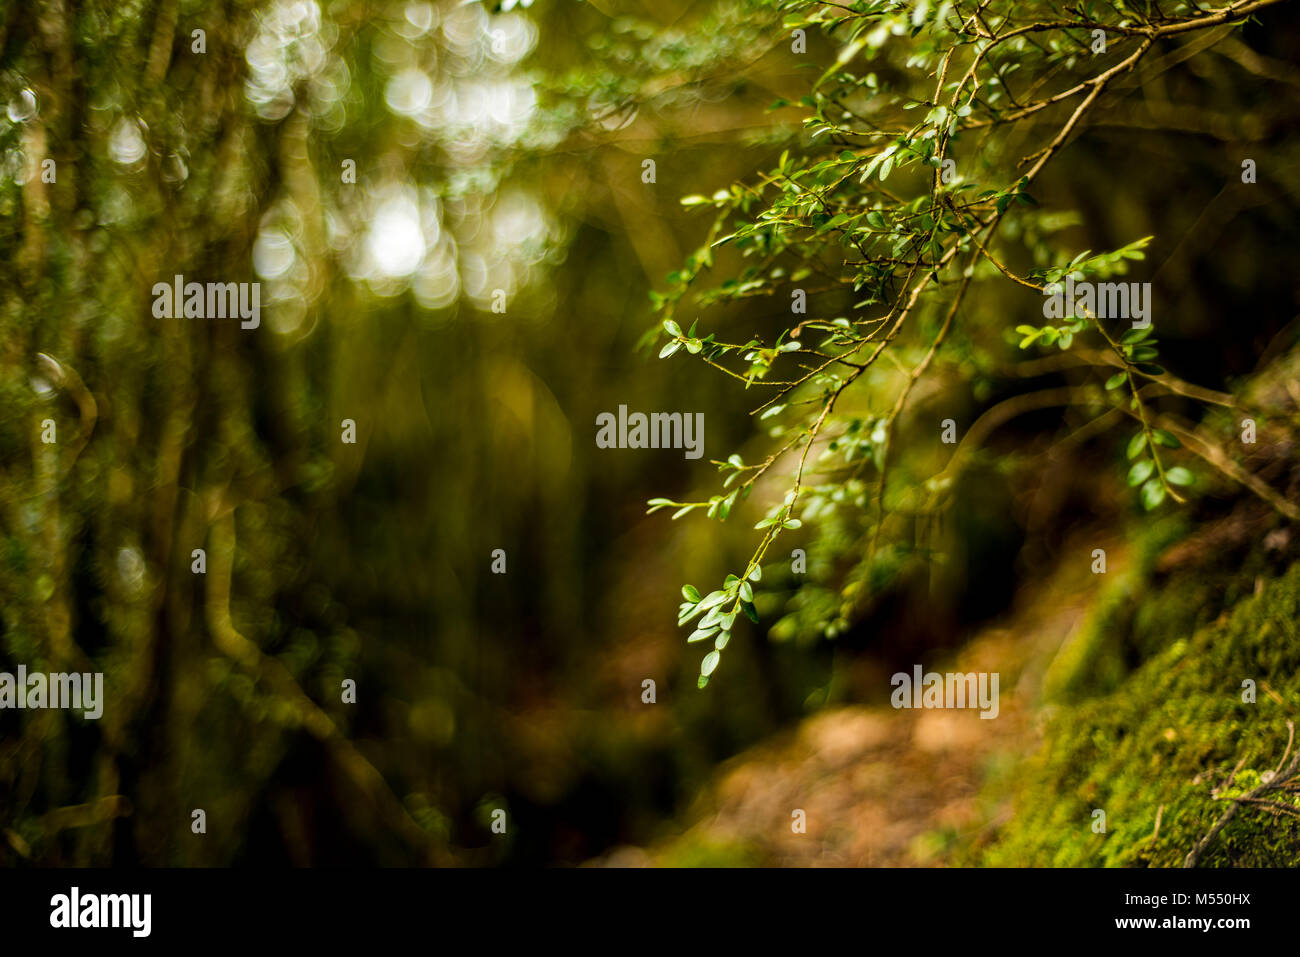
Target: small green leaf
x: 709, y: 663
x: 1115, y: 381
x: 1179, y: 476
x: 690, y: 593
x: 672, y: 328
x: 688, y: 614
x: 1140, y: 472
x: 713, y: 598
x: 1136, y: 445
x: 1153, y: 493
x: 1167, y: 439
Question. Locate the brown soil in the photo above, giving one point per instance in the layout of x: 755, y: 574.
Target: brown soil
x: 882, y: 787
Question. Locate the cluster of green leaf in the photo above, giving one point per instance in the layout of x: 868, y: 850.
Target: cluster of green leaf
x: 719, y: 609
x: 888, y: 210
x: 1136, y: 351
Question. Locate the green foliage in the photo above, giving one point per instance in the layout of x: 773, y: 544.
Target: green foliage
x: 884, y: 216
x: 719, y: 609
x: 329, y: 561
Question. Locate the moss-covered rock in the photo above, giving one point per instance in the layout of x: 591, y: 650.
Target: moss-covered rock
x: 1162, y: 740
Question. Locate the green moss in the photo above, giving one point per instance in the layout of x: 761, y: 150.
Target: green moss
x: 1091, y: 661
x: 1141, y: 612
x: 1195, y: 597
x: 1094, y: 660
x: 690, y: 852
x: 1173, y: 730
